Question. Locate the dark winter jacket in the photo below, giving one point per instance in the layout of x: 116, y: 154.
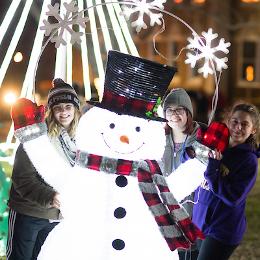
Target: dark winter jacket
x: 29, y: 194
x: 221, y: 199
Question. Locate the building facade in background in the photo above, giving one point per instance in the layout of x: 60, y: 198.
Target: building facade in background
x: 237, y: 21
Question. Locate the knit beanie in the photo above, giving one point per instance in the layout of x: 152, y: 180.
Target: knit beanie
x: 62, y: 92
x: 178, y: 97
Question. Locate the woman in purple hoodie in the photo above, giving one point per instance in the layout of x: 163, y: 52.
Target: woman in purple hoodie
x: 220, y: 201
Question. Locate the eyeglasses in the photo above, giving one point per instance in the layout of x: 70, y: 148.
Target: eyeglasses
x: 177, y: 111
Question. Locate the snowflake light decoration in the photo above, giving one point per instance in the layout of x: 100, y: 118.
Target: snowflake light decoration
x: 143, y: 7
x: 204, y: 50
x: 71, y: 17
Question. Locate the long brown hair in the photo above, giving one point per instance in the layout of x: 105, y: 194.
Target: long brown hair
x: 253, y: 112
x: 55, y: 127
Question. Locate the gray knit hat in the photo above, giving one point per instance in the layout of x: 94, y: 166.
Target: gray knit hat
x: 178, y: 97
x: 62, y: 92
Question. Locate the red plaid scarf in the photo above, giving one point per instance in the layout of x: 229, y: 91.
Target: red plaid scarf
x: 172, y: 219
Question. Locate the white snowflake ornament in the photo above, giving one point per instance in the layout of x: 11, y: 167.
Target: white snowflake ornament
x: 204, y: 50
x: 71, y: 17
x: 143, y: 7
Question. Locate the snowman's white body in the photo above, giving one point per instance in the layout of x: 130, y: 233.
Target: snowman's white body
x: 89, y: 198
x: 89, y: 229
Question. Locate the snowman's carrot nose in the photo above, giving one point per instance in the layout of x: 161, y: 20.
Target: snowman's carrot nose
x: 124, y: 139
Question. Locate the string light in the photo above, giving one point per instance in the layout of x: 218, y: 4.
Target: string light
x: 18, y: 57
x: 104, y: 26
x: 84, y: 59
x: 125, y: 30
x: 15, y: 39
x: 8, y: 18
x: 10, y: 98
x: 27, y: 88
x: 96, y: 44
x: 116, y: 26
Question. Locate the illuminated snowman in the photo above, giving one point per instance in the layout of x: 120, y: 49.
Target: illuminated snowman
x: 115, y: 203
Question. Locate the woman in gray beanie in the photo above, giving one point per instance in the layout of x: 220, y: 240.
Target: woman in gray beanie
x: 180, y: 134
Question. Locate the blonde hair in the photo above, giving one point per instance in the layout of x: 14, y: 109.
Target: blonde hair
x: 54, y: 127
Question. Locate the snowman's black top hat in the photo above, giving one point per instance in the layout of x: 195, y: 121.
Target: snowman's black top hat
x: 134, y: 86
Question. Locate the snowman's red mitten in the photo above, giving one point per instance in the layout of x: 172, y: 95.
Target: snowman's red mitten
x: 28, y: 120
x: 215, y: 136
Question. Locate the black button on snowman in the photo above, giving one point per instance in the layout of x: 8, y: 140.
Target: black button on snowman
x: 120, y: 212
x: 121, y: 181
x: 118, y: 244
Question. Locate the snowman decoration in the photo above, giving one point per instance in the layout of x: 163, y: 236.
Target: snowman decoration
x: 116, y: 205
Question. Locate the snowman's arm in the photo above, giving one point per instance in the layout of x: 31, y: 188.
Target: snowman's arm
x: 189, y: 175
x: 186, y: 178
x: 47, y: 161
x: 31, y: 130
x: 28, y: 183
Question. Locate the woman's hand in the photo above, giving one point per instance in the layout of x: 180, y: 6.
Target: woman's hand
x: 217, y: 155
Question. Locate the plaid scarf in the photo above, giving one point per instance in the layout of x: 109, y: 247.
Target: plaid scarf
x: 172, y: 219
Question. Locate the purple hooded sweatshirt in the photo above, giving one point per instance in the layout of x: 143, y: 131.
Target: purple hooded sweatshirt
x: 221, y: 198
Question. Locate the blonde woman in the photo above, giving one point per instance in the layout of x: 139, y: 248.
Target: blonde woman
x: 34, y: 205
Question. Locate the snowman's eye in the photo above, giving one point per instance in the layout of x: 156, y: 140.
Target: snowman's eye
x: 138, y: 129
x: 112, y: 125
